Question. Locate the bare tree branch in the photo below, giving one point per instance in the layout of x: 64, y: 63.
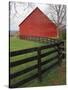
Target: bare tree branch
x: 24, y: 5
x: 63, y: 16
x: 58, y: 13
x: 54, y: 19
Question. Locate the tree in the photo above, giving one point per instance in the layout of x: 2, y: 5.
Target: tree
x: 58, y: 14
x: 13, y: 7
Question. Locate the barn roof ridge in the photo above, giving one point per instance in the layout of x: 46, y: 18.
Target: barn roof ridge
x: 29, y: 15
x: 32, y: 12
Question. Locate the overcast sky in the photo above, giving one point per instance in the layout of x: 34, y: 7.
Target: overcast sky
x: 23, y: 10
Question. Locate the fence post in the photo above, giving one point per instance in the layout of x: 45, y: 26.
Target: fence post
x: 39, y: 65
x: 59, y: 54
x: 62, y: 49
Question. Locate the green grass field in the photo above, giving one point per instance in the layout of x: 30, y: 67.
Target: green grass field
x: 52, y: 77
x: 17, y: 44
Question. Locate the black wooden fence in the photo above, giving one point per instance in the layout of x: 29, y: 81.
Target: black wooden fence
x: 58, y: 48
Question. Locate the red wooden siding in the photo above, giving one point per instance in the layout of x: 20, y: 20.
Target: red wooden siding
x: 38, y: 24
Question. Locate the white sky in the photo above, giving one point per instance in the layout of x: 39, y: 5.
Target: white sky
x: 16, y: 20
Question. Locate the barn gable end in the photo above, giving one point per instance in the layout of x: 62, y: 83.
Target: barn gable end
x: 37, y: 24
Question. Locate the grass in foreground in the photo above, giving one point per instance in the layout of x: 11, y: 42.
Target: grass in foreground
x: 52, y: 77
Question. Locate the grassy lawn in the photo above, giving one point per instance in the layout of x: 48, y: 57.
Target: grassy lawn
x: 17, y: 44
x: 52, y: 77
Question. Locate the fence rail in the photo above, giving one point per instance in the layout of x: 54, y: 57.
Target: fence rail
x: 15, y: 53
x: 37, y: 58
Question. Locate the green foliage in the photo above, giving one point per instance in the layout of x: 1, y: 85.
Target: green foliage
x: 63, y: 35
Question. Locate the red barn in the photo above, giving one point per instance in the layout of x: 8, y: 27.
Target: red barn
x: 37, y: 24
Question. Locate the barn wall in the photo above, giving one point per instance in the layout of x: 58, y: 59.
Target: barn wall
x: 37, y: 24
